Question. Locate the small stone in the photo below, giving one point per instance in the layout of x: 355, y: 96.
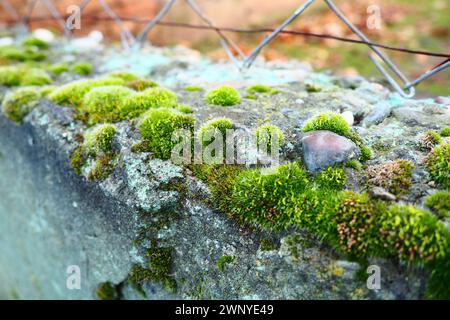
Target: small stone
x: 322, y: 149
x: 381, y: 193
x: 348, y: 117
x: 44, y: 35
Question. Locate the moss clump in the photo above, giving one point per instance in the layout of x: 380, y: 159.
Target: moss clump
x: 223, y: 96
x: 104, y: 104
x: 17, y: 104
x: 445, y: 132
x: 354, y: 164
x: 414, y: 235
x: 439, y: 271
x: 358, y: 221
x: 82, y: 68
x: 184, y: 108
x: 251, y: 97
x: 223, y: 262
x: 439, y: 202
x: 73, y: 93
x: 36, y: 77
x: 160, y: 260
x: 138, y: 103
x: 104, y: 166
x: 332, y: 178
x: 215, y: 128
x: 258, y: 88
x: 10, y: 76
x: 430, y: 139
x: 141, y: 84
x: 157, y: 127
x: 193, y: 88
x: 106, y: 291
x: 77, y: 160
x: 21, y: 54
x: 58, y: 69
x: 395, y: 176
x: 265, y: 134
x: 262, y: 198
x: 35, y: 42
x: 124, y: 75
x: 99, y: 139
x: 328, y: 121
x: 438, y: 164
x: 366, y: 153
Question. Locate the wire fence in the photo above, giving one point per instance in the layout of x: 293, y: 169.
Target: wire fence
x: 383, y: 63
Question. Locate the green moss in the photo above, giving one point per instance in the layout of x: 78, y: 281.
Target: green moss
x: 430, y: 139
x: 125, y: 76
x: 263, y: 198
x: 46, y: 90
x: 215, y: 127
x: 193, y: 88
x: 99, y: 139
x: 10, y: 76
x: 265, y: 134
x: 223, y: 96
x: 223, y: 261
x: 439, y: 202
x: 268, y: 245
x: 17, y: 104
x: 82, y: 68
x: 184, y: 108
x: 258, y: 88
x: 358, y: 221
x: 445, y: 132
x: 160, y: 260
x: 141, y: 84
x: 395, y: 176
x: 354, y: 164
x: 73, y: 92
x: 332, y: 178
x: 251, y: 97
x: 439, y: 278
x: 58, y: 69
x: 104, y: 166
x: 138, y: 103
x: 414, y: 235
x: 366, y: 153
x: 13, y: 53
x: 106, y: 291
x: 105, y: 104
x: 35, y: 42
x: 35, y: 77
x: 328, y: 121
x: 438, y: 164
x: 77, y: 160
x: 157, y: 127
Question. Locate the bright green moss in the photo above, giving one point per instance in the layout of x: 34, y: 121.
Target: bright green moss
x: 223, y: 262
x: 73, y: 92
x: 395, y: 176
x: 251, y: 97
x: 266, y: 198
x: 258, y: 88
x: 12, y: 53
x: 82, y: 69
x: 439, y: 202
x: 126, y: 76
x: 332, y: 178
x: 141, y: 84
x: 46, y: 90
x: 214, y: 127
x: 223, y: 96
x: 35, y: 77
x: 445, y: 132
x: 328, y: 121
x: 58, y: 69
x: 184, y: 108
x: 414, y: 235
x: 354, y: 164
x: 138, y: 103
x: 358, y: 220
x: 104, y: 104
x: 99, y: 139
x: 157, y: 127
x: 106, y: 291
x: 10, y: 76
x: 17, y: 104
x: 265, y: 134
x: 439, y: 271
x: 193, y: 88
x: 35, y: 42
x: 438, y: 164
x: 366, y: 153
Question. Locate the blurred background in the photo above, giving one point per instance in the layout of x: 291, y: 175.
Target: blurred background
x: 413, y: 24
